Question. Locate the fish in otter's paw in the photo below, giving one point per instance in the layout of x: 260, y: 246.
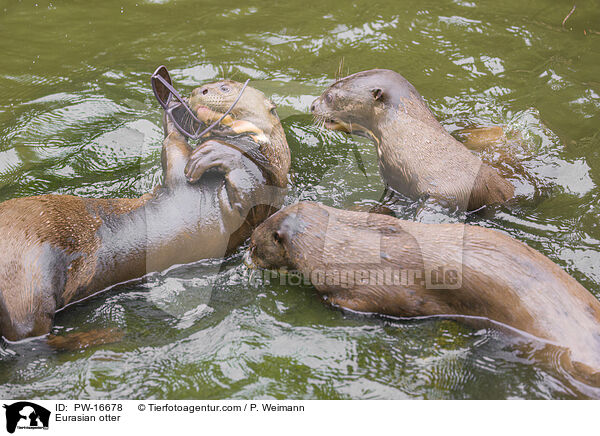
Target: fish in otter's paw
x: 58, y: 249
x: 417, y: 156
x: 373, y: 263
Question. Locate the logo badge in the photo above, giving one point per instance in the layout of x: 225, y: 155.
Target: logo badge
x: 26, y: 415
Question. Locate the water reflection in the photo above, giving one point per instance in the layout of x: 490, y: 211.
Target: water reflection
x: 77, y: 117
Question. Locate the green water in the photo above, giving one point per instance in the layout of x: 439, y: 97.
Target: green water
x: 77, y: 116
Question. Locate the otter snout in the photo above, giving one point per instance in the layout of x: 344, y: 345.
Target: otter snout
x: 315, y: 106
x: 322, y: 105
x: 325, y: 114
x: 265, y: 251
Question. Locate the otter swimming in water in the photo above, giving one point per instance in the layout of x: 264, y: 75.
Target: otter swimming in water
x: 58, y: 249
x: 417, y: 156
x: 373, y: 263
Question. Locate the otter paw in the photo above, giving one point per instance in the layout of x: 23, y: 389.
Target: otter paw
x: 212, y: 154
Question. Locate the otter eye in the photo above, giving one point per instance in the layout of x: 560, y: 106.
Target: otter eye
x: 225, y: 88
x: 277, y: 237
x: 377, y: 93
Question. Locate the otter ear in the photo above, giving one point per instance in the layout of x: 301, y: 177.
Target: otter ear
x: 270, y: 106
x: 278, y: 236
x: 377, y: 93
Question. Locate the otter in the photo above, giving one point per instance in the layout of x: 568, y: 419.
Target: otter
x: 59, y: 249
x: 373, y: 263
x: 254, y: 115
x: 417, y: 156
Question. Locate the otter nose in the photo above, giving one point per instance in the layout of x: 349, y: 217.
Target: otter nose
x: 313, y: 106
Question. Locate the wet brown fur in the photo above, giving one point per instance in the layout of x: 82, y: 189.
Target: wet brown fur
x: 417, y: 156
x: 255, y: 114
x: 79, y: 340
x: 57, y: 249
x: 501, y: 279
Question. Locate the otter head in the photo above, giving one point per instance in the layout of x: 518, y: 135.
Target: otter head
x: 275, y: 244
x: 254, y: 113
x: 270, y: 242
x: 357, y: 103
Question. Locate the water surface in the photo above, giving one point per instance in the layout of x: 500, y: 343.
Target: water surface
x: 77, y: 116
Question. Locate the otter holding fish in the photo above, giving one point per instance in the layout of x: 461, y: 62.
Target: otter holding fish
x: 58, y: 249
x: 417, y: 156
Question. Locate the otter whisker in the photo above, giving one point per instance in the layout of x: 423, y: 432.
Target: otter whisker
x: 322, y: 126
x: 319, y: 123
x: 340, y: 70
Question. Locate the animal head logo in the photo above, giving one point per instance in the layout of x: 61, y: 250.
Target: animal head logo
x: 26, y: 415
